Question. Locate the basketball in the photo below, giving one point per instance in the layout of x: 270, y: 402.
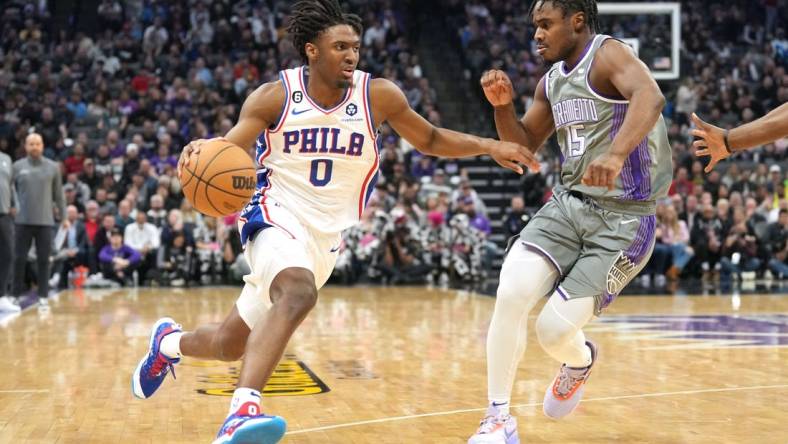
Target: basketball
x: 219, y: 180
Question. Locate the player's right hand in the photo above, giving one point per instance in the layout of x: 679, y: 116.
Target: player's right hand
x: 511, y: 155
x: 497, y: 87
x: 192, y: 148
x: 712, y: 138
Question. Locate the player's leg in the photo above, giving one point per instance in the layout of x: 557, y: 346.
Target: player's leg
x: 614, y: 254
x: 224, y: 341
x: 526, y: 276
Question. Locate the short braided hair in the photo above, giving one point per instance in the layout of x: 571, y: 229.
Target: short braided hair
x: 311, y: 17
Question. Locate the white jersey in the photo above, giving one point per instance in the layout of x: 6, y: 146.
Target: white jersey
x: 320, y: 164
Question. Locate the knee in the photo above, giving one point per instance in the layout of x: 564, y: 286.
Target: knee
x: 295, y: 297
x: 551, y: 331
x: 228, y: 346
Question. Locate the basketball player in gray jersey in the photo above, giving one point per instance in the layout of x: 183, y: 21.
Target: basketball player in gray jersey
x: 597, y: 231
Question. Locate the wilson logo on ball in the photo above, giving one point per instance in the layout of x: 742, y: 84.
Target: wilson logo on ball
x: 243, y: 183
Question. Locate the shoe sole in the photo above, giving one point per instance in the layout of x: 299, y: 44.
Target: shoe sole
x: 136, y: 387
x: 257, y: 431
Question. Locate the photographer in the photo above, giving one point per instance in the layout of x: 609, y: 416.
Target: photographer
x: 776, y: 236
x: 401, y: 251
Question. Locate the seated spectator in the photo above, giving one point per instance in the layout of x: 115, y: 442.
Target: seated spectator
x: 145, y: 239
x: 70, y: 249
x: 101, y: 240
x: 515, y: 218
x: 157, y: 215
x: 175, y: 261
x: 123, y: 219
x: 676, y: 236
x: 118, y: 261
x: 777, y: 245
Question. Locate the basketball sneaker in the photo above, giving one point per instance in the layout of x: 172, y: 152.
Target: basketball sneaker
x: 154, y: 366
x: 566, y: 391
x: 496, y: 428
x: 248, y: 426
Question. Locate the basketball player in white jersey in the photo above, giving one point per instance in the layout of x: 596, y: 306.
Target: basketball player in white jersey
x: 316, y: 134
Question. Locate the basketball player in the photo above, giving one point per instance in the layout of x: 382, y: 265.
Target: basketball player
x: 597, y: 231
x: 316, y: 136
x: 721, y: 144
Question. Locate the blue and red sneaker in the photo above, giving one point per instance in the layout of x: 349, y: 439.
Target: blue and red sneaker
x: 153, y: 368
x: 248, y: 426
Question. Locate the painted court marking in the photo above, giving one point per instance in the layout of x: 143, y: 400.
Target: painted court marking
x: 534, y: 404
x: 24, y: 391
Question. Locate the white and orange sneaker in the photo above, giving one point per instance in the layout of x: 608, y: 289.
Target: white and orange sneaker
x: 496, y: 428
x: 566, y: 391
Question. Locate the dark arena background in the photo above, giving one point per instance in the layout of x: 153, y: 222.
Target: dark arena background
x: 693, y: 350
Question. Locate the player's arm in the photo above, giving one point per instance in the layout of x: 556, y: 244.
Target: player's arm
x: 767, y: 129
x: 537, y: 124
x: 616, y: 62
x: 258, y: 112
x: 391, y: 105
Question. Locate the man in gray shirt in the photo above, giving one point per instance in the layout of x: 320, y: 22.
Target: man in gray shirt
x: 38, y: 188
x: 6, y: 232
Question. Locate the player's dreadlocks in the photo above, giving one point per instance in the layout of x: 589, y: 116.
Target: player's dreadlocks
x: 587, y: 7
x: 311, y: 17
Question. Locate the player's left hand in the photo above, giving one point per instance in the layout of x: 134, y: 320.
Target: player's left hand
x: 602, y: 172
x: 511, y: 155
x: 713, y: 139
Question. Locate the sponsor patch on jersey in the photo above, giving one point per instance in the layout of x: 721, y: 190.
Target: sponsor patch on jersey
x: 351, y: 109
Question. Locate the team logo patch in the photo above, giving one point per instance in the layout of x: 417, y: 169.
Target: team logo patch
x: 298, y: 96
x: 291, y: 378
x: 351, y: 109
x: 693, y: 332
x: 620, y: 273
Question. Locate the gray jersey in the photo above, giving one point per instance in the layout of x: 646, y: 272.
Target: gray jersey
x: 38, y: 189
x: 586, y: 124
x: 6, y: 174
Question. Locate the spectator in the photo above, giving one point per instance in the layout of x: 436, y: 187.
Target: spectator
x: 124, y: 219
x: 70, y: 248
x: 175, y: 260
x: 118, y: 261
x: 102, y: 239
x: 515, y: 218
x: 776, y: 237
x: 144, y: 238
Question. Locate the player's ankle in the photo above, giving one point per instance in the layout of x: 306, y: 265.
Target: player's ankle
x: 244, y: 396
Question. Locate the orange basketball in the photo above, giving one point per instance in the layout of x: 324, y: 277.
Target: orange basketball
x: 219, y: 180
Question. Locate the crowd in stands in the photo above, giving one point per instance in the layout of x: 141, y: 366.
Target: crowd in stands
x: 116, y: 100
x: 727, y: 224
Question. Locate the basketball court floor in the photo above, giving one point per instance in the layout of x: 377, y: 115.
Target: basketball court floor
x: 399, y: 365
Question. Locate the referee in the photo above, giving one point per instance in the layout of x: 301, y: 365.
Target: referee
x: 38, y: 186
x: 6, y: 232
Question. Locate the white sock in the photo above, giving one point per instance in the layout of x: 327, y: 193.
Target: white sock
x: 241, y: 396
x: 171, y: 345
x: 502, y: 406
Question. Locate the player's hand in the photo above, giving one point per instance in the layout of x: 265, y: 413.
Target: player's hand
x: 712, y: 138
x: 65, y: 224
x: 193, y: 148
x: 511, y: 155
x: 497, y: 87
x: 602, y: 172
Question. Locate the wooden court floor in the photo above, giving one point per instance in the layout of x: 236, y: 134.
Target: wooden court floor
x: 400, y: 365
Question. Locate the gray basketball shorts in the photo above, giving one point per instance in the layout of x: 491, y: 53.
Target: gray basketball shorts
x: 596, y: 252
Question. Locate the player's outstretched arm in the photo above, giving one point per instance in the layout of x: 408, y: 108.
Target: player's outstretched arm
x: 616, y: 62
x: 259, y: 110
x: 537, y: 124
x: 768, y: 128
x: 389, y: 104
